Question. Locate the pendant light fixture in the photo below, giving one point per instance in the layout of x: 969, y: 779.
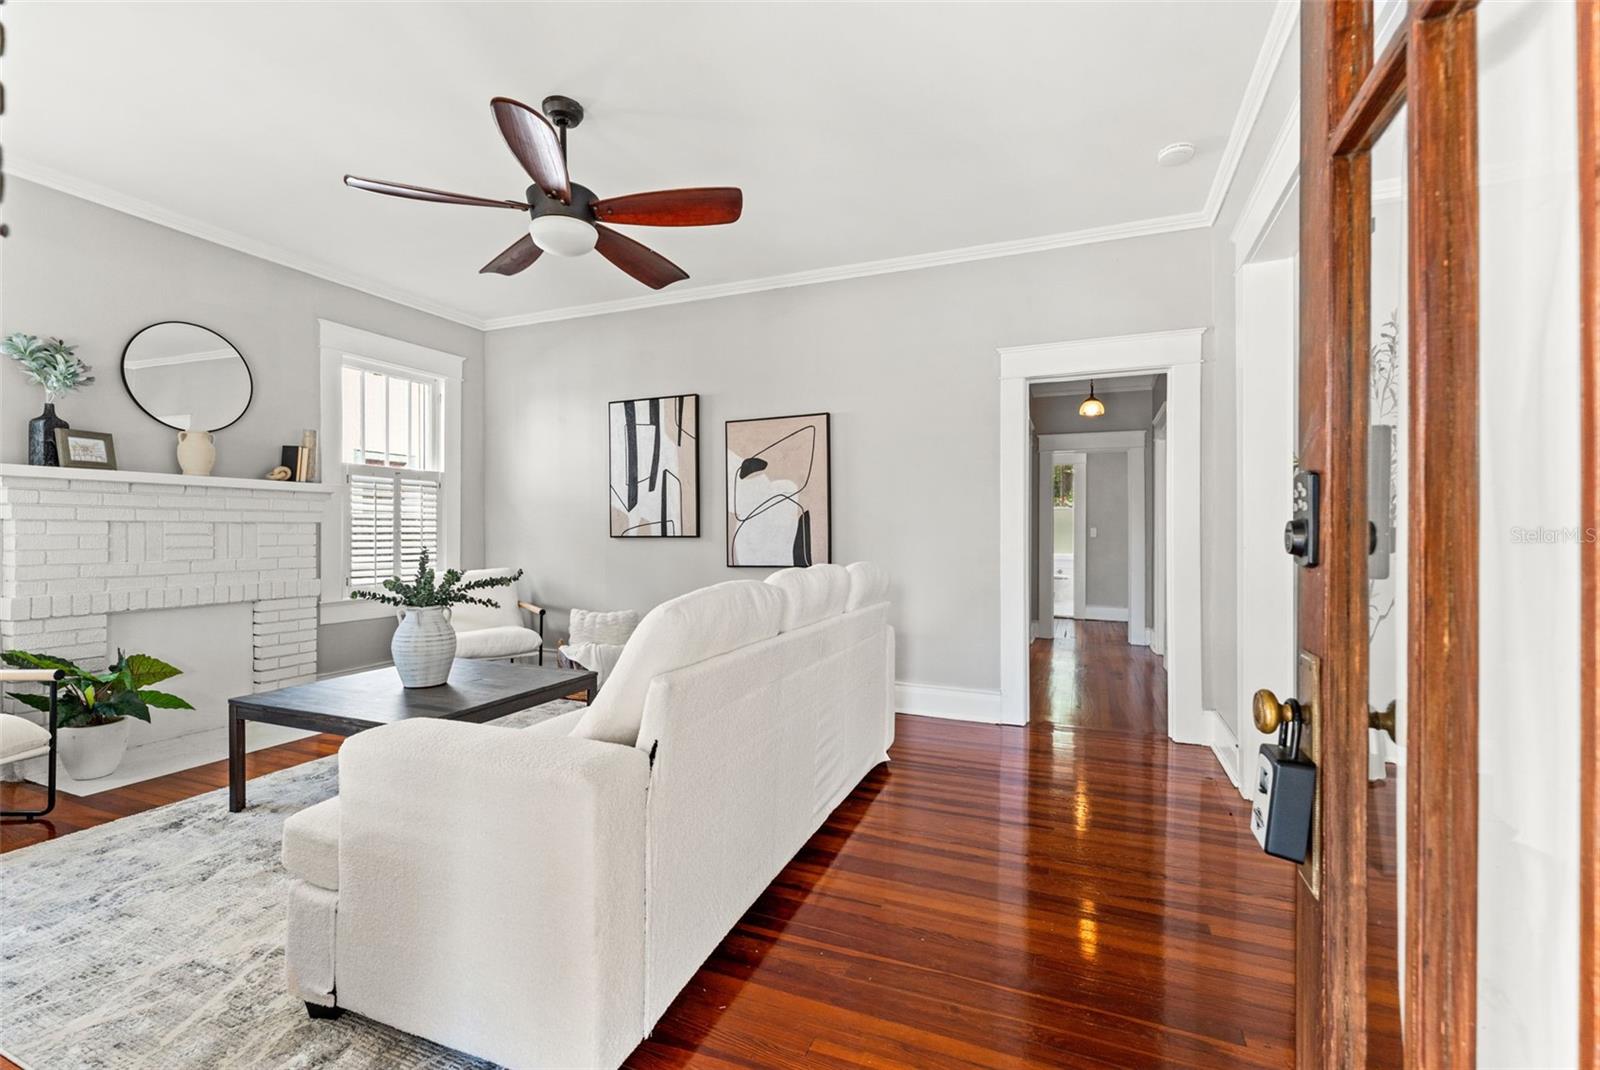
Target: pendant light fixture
x: 1092, y: 406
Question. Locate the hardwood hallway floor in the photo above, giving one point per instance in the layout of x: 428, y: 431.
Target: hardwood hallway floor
x: 1075, y: 893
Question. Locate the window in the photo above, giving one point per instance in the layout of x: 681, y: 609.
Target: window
x: 392, y: 467
x: 391, y: 419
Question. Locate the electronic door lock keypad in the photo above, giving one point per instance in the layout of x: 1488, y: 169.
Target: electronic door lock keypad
x: 1303, y: 534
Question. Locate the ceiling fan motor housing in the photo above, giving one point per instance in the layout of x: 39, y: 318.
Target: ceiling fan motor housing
x: 541, y: 203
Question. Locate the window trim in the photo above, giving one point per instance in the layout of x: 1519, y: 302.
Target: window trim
x: 380, y: 352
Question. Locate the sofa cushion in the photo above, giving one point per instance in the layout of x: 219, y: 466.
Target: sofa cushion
x: 465, y: 617
x: 502, y: 641
x: 311, y: 844
x: 683, y: 631
x: 811, y: 594
x: 869, y: 585
x: 19, y: 736
x: 611, y: 628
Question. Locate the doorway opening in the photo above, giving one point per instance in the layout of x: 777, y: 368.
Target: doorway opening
x: 1137, y: 378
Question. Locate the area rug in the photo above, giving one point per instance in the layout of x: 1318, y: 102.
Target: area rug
x: 156, y: 941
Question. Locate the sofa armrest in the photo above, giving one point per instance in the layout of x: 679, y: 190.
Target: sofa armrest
x: 491, y: 890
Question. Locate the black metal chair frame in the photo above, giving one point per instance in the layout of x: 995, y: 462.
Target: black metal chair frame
x: 50, y: 776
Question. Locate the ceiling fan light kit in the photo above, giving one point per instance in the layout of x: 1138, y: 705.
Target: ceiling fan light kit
x: 564, y: 217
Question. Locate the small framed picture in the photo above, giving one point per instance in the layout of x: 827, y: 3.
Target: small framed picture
x: 85, y: 449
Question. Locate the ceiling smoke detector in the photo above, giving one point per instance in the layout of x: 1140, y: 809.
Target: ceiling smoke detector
x: 1176, y: 154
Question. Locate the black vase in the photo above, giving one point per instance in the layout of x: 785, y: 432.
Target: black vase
x: 42, y: 437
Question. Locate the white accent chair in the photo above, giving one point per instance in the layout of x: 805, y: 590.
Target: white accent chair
x: 595, y: 640
x: 545, y: 905
x: 482, y: 632
x: 21, y: 739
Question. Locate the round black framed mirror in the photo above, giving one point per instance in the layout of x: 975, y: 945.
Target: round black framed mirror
x: 187, y: 376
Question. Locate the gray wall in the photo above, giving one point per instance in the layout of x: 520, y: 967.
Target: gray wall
x: 907, y: 365
x: 95, y: 276
x: 1058, y: 415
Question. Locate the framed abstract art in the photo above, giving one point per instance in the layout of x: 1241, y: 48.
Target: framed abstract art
x: 779, y: 510
x: 655, y: 467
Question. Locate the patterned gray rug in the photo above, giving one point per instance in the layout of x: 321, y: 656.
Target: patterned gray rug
x: 156, y: 941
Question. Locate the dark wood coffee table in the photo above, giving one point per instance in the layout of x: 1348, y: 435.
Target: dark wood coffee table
x: 344, y: 705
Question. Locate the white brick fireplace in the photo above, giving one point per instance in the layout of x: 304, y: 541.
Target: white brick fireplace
x: 79, y: 546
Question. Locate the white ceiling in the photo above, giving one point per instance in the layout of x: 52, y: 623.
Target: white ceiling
x: 860, y: 133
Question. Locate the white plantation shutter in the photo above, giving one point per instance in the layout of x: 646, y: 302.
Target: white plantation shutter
x: 418, y: 527
x: 394, y: 517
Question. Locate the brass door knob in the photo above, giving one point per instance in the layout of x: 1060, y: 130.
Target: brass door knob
x: 1270, y: 712
x: 1382, y: 719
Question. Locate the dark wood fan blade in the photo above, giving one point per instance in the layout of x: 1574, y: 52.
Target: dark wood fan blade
x: 702, y: 206
x: 423, y: 193
x: 643, y: 263
x: 535, y: 144
x: 517, y: 256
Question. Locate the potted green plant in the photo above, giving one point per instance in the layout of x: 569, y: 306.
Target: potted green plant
x: 51, y: 364
x: 92, y: 708
x: 424, y: 644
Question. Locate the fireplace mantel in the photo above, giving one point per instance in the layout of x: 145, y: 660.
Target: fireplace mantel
x: 79, y: 544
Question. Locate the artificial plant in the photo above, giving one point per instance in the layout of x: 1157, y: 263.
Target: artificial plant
x: 425, y: 592
x: 86, y: 698
x: 49, y: 362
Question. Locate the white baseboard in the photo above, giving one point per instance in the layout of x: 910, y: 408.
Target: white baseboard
x: 1103, y: 613
x: 951, y: 703
x: 1044, y: 629
x: 1150, y: 638
x: 1226, y: 747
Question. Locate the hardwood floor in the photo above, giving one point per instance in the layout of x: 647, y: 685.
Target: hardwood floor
x: 1070, y: 894
x: 1089, y: 677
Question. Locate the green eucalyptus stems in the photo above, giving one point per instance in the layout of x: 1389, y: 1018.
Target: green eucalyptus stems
x: 49, y: 362
x: 449, y: 591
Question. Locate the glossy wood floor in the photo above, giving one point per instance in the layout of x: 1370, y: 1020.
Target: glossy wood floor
x: 1077, y: 893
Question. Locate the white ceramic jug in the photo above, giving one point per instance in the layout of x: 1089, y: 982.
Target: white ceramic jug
x: 424, y: 645
x: 197, y: 452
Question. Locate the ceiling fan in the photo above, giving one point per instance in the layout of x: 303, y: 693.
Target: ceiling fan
x: 566, y: 218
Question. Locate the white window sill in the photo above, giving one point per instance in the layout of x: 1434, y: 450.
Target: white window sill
x: 346, y: 610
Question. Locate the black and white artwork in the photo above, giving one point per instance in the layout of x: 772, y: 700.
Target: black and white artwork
x: 778, y: 491
x: 655, y: 467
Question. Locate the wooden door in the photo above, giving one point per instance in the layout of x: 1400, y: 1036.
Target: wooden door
x: 1350, y: 97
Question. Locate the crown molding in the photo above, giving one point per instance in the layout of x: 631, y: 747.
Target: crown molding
x: 993, y: 251
x: 1285, y: 17
x: 1279, y: 30
x: 152, y: 213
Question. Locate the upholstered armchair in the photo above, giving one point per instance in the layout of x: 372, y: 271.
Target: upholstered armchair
x: 486, y: 633
x: 596, y: 640
x: 21, y: 739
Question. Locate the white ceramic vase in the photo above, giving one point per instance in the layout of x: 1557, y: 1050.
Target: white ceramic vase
x: 197, y: 452
x: 93, y: 751
x: 424, y: 645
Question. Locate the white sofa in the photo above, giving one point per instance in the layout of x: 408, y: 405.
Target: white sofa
x: 537, y: 897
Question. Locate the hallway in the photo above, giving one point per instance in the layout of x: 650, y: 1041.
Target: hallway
x: 1088, y: 676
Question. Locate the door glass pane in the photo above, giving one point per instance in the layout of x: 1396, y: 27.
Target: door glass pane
x: 1387, y: 379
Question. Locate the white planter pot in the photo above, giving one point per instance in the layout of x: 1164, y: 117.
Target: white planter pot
x: 424, y: 646
x: 92, y: 752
